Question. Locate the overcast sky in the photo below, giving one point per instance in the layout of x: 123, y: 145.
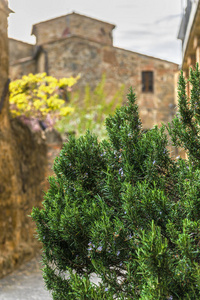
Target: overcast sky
x: 146, y: 26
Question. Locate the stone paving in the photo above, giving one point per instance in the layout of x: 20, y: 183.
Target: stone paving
x: 26, y: 283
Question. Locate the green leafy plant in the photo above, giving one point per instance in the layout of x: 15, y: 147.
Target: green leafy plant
x: 91, y: 110
x: 185, y: 129
x: 124, y: 210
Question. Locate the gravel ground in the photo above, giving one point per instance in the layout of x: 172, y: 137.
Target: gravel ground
x: 26, y: 283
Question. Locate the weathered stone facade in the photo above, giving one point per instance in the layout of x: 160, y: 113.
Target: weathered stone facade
x: 22, y: 171
x: 21, y: 57
x: 189, y: 33
x: 76, y: 44
x: 4, y: 48
x: 73, y: 24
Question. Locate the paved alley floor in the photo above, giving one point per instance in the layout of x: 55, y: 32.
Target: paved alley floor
x: 26, y: 283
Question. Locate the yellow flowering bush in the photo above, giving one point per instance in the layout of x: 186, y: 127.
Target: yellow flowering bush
x: 41, y: 97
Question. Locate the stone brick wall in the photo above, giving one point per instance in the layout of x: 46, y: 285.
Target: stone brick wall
x: 21, y: 59
x: 73, y: 24
x: 21, y: 67
x: 22, y: 171
x: 3, y: 45
x: 81, y: 48
x: 19, y: 50
x: 69, y: 57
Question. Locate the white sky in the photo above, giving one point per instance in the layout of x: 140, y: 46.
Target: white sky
x: 146, y: 26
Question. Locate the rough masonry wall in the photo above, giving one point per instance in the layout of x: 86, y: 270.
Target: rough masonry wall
x: 73, y: 24
x: 75, y: 44
x: 19, y: 50
x: 3, y: 47
x: 22, y: 170
x: 21, y: 60
x: 22, y: 67
x: 69, y: 57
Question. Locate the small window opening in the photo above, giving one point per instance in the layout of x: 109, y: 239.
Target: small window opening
x: 147, y: 81
x: 103, y: 31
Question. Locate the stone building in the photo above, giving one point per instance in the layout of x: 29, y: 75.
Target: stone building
x: 22, y: 170
x: 75, y: 44
x: 189, y: 34
x: 4, y: 11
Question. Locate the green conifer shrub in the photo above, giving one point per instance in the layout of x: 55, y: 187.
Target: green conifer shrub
x: 124, y: 210
x: 185, y: 129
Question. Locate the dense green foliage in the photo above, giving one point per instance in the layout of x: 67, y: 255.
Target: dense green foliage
x: 185, y: 129
x: 125, y: 210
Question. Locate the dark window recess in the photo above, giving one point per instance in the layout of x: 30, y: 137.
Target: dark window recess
x: 103, y: 31
x: 147, y: 81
